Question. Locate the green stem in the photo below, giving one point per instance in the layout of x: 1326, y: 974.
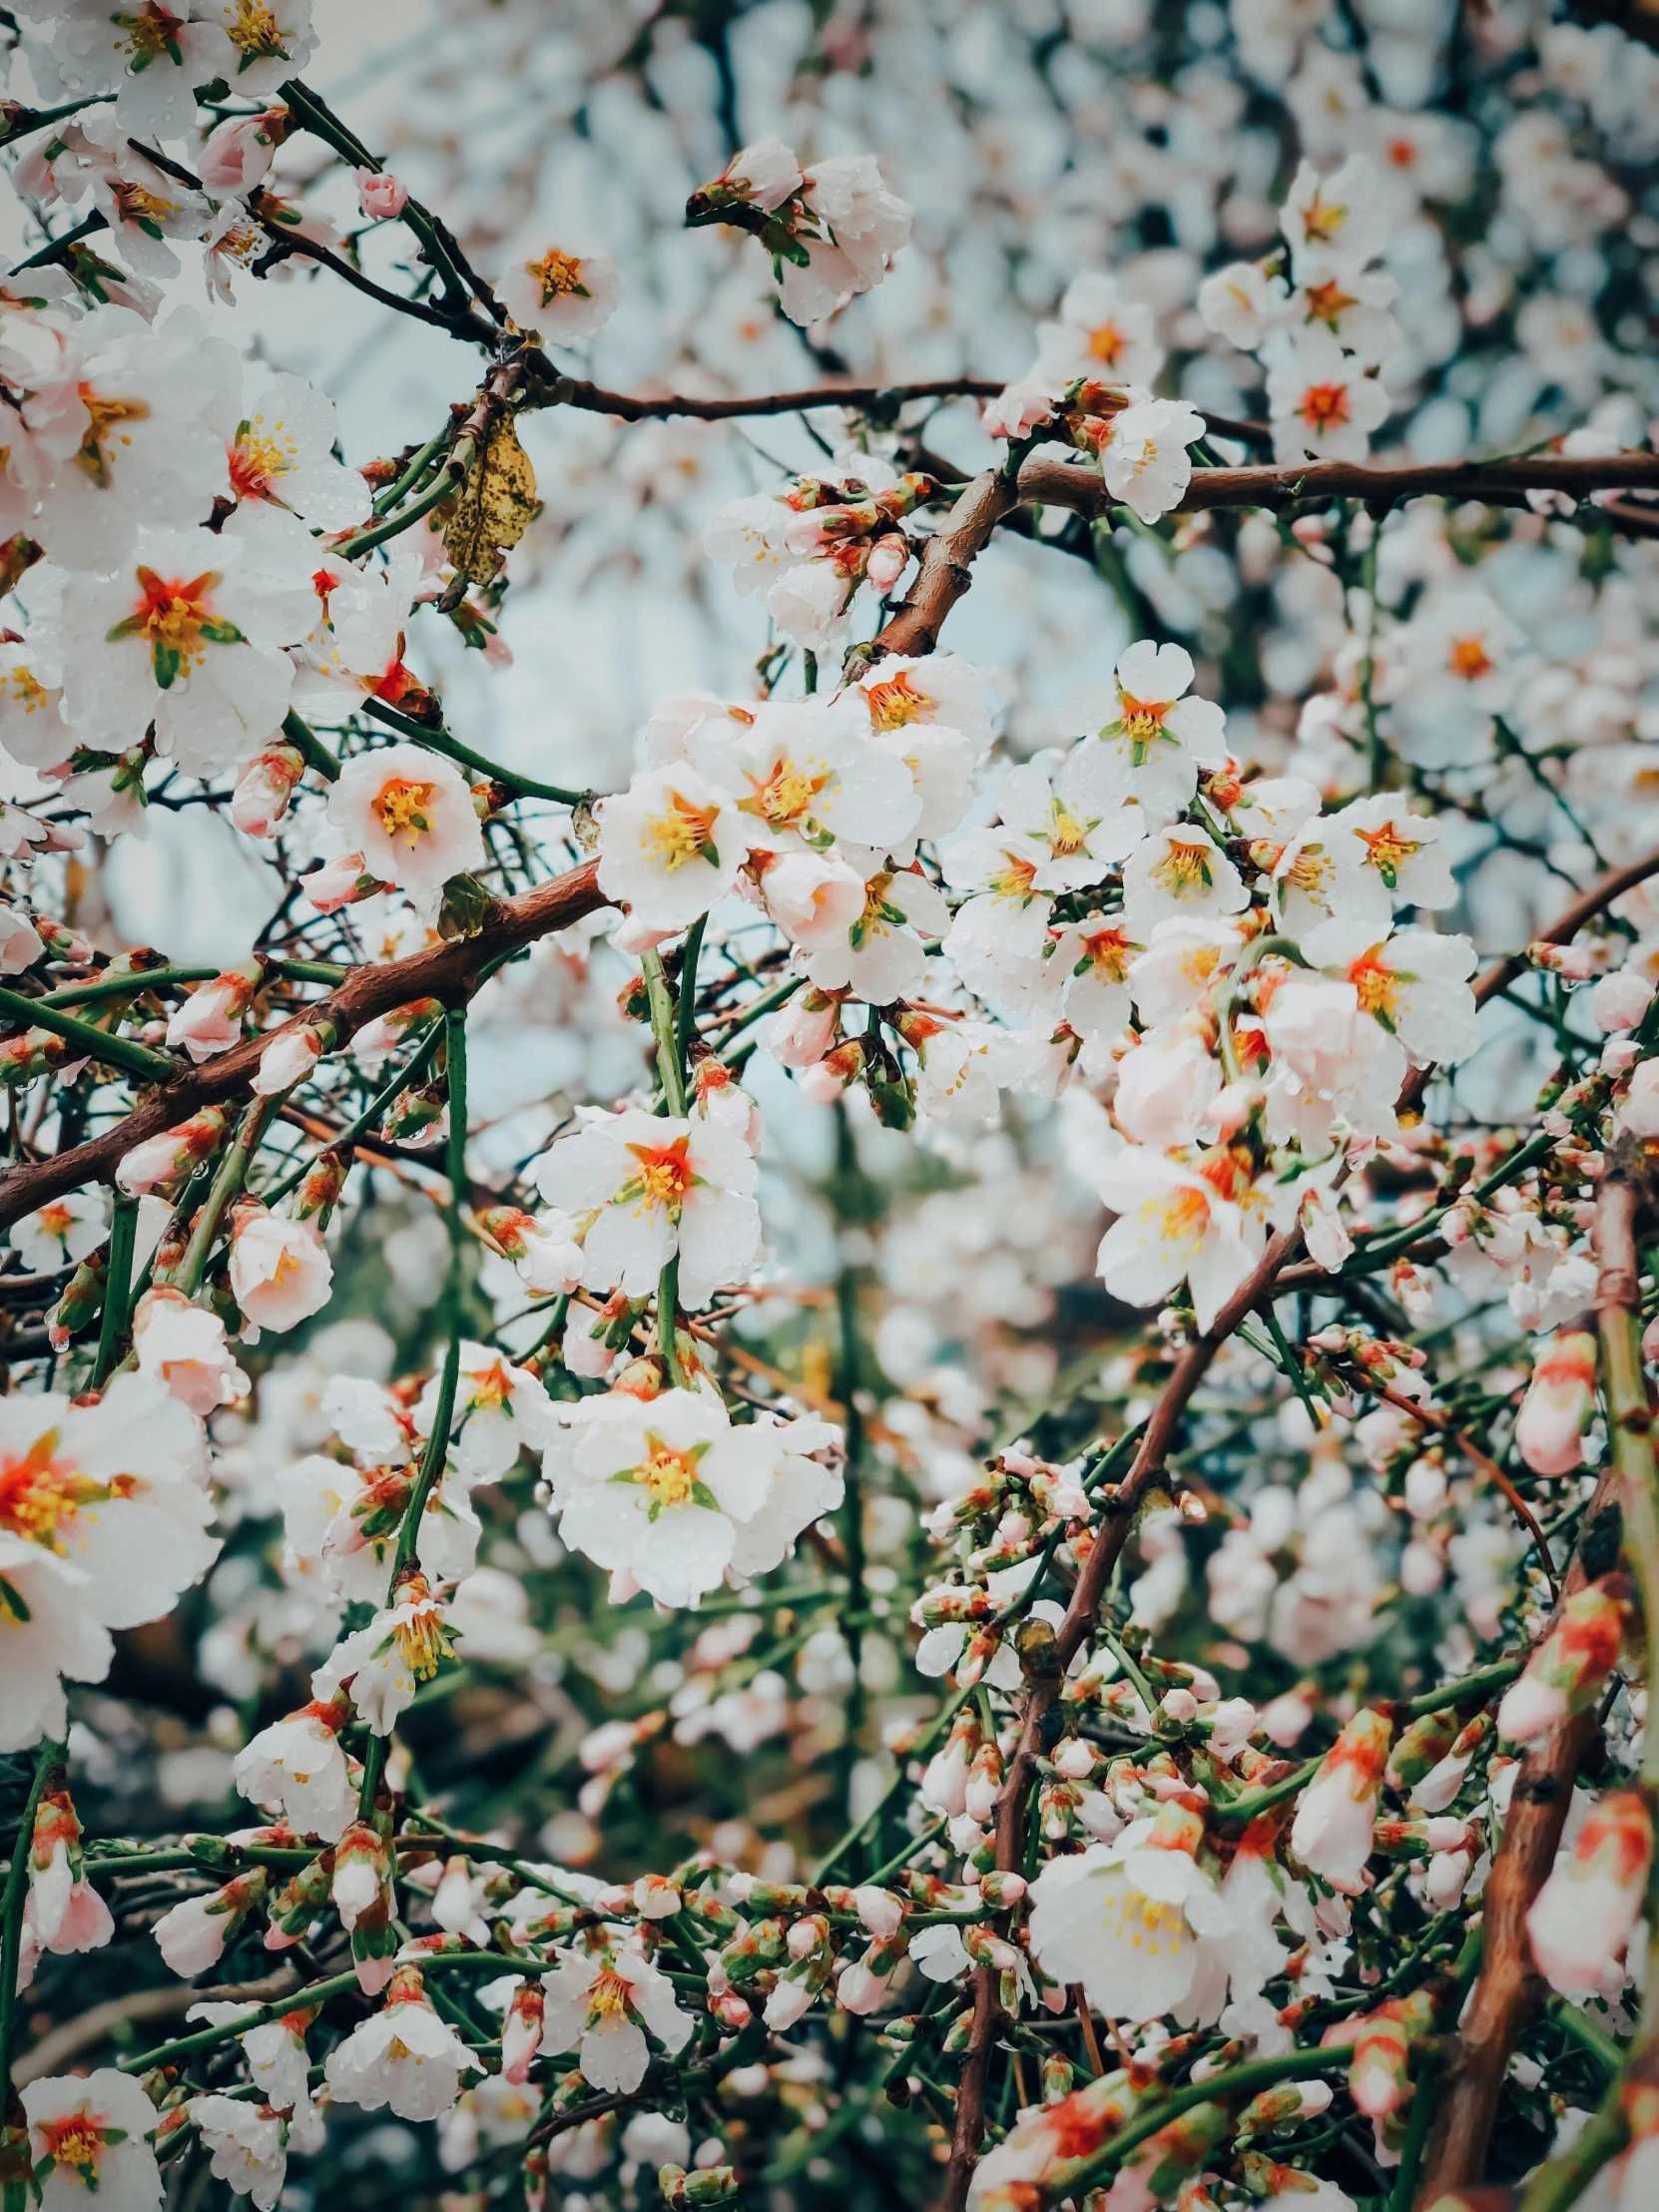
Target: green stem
x: 319, y: 119
x: 1235, y: 2081
x: 386, y: 500
x: 1586, y: 2034
x: 436, y: 1454
x: 118, y: 1285
x: 11, y: 1909
x: 1479, y: 1684
x: 665, y: 1027
x: 937, y: 1726
x: 185, y: 2046
x: 96, y: 1043
x: 229, y: 1178
x: 58, y: 248
x: 1143, y: 1687
x: 412, y: 1073
x: 684, y: 1019
x: 1416, y: 2131
x: 305, y: 740
x: 129, y: 985
x: 449, y: 481
x: 1562, y: 2181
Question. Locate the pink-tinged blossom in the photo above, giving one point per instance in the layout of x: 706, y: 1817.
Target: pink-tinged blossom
x: 280, y: 1273
x: 548, y: 286
x: 296, y: 1769
x: 89, y: 2143
x: 654, y: 1186
x: 1323, y: 405
x: 1559, y: 1405
x: 1587, y: 1909
x: 409, y: 815
x: 599, y: 2004
x: 381, y: 197
x: 185, y: 634
x: 209, y: 1021
x: 183, y: 1345
x: 1332, y: 1832
x: 403, y: 2057
x: 1138, y: 1922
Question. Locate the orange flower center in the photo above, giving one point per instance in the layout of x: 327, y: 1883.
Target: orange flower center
x: 785, y: 797
x: 559, y: 274
x: 682, y: 834
x: 664, y: 1178
x: 1323, y: 405
x: 404, y: 807
x: 895, y: 704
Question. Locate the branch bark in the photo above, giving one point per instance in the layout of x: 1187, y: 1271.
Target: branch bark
x: 1060, y: 484
x: 947, y: 566
x: 443, y: 971
x: 1511, y: 1990
x: 1117, y: 1521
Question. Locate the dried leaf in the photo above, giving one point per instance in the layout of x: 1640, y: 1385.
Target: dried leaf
x: 495, y: 507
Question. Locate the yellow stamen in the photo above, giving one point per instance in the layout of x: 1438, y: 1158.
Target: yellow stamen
x: 681, y: 833
x: 104, y: 420
x: 1184, y: 870
x: 1068, y: 836
x: 403, y: 804
x: 785, y: 797
x: 896, y: 703
x: 557, y: 275
x: 671, y: 1476
x: 254, y: 32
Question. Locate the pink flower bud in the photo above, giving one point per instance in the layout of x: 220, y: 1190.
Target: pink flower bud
x: 824, y: 1082
x: 380, y: 195
x: 1566, y: 1673
x: 1560, y: 1399
x: 287, y: 1059
x: 1331, y: 1834
x: 1587, y: 1908
x: 339, y: 882
x: 1620, y: 1000
x: 265, y: 787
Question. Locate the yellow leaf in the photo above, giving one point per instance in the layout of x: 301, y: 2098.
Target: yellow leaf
x: 495, y: 507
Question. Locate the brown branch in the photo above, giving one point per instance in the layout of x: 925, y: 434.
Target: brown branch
x: 1566, y: 925
x: 1117, y: 1519
x: 1511, y: 1990
x: 947, y: 566
x: 442, y: 971
x: 1430, y: 1417
x: 552, y: 389
x: 1061, y: 485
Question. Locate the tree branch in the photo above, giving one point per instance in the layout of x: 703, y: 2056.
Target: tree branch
x: 1118, y: 1519
x: 442, y: 971
x: 1061, y: 485
x: 1511, y: 1990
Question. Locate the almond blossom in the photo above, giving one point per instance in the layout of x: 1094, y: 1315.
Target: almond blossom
x: 89, y: 2141
x: 600, y: 2004
x: 657, y: 1188
x: 410, y: 819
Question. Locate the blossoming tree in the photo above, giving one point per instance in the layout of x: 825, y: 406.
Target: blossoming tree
x: 900, y: 1450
